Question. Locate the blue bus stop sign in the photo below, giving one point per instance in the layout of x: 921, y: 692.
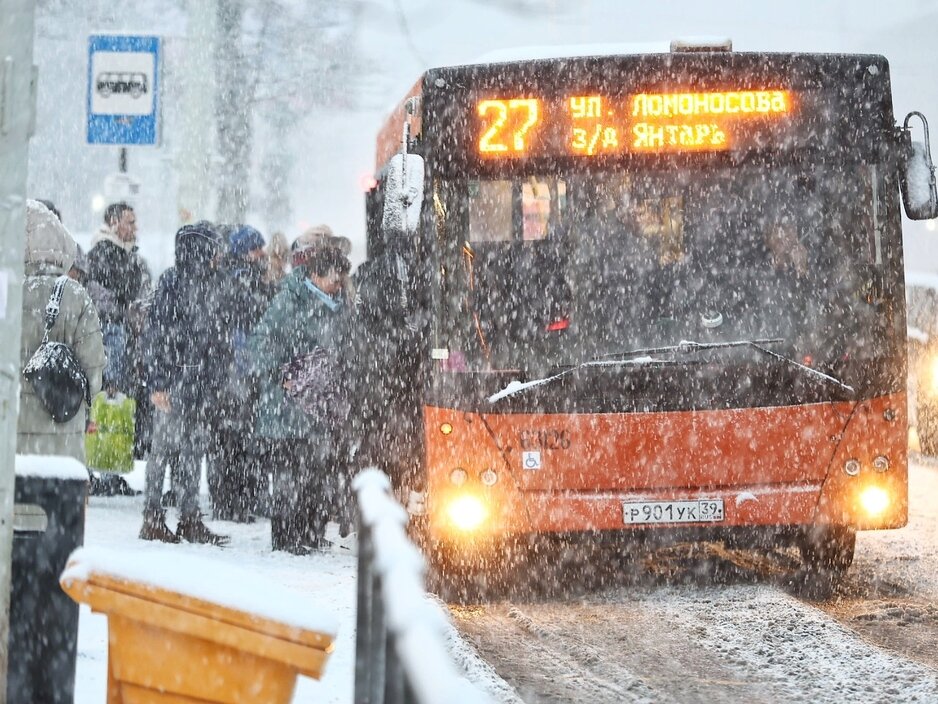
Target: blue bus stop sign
x: 123, y: 89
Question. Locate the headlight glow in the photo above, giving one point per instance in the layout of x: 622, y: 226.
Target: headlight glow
x: 933, y: 376
x: 875, y: 500
x: 466, y: 512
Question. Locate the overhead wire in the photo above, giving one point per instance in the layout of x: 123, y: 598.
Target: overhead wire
x: 405, y: 30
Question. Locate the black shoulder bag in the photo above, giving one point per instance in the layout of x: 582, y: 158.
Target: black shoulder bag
x: 60, y: 383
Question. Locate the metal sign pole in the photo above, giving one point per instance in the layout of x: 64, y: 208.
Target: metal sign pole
x: 17, y: 117
x: 194, y: 146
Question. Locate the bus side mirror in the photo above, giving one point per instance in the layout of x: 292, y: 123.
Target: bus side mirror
x: 917, y: 175
x: 403, y: 194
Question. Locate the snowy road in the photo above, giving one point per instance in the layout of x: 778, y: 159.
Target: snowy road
x: 714, y: 625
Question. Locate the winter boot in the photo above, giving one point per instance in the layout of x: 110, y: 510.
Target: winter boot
x: 155, y: 528
x: 194, y: 531
x: 346, y: 543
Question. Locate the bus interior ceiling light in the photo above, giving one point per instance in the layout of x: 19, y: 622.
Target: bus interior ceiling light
x: 467, y: 512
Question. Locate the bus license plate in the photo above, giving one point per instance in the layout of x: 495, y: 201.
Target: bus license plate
x: 696, y: 511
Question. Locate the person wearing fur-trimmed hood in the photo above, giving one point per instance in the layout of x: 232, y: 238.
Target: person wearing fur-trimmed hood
x: 50, y: 252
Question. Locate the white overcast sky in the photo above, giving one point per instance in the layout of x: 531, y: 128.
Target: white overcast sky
x: 404, y: 37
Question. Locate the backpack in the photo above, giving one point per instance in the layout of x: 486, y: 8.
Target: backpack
x: 58, y: 379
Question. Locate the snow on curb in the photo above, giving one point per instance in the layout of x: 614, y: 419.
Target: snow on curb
x: 423, y: 632
x: 50, y: 467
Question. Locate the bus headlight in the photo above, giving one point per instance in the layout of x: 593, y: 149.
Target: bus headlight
x: 852, y: 467
x: 467, y: 512
x: 458, y: 476
x: 874, y: 500
x: 880, y: 463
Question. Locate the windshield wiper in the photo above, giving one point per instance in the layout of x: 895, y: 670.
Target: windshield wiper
x: 689, y: 346
x: 641, y: 356
x: 518, y: 386
x: 807, y: 370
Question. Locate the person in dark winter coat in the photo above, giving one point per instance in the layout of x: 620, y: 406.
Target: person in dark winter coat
x: 387, y: 376
x: 187, y: 352
x: 302, y: 323
x: 237, y: 484
x: 117, y: 276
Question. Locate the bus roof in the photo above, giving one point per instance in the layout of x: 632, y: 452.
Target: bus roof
x: 568, y: 51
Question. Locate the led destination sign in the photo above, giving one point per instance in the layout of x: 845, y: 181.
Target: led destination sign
x: 591, y: 125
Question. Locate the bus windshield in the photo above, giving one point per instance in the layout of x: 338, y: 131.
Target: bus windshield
x: 555, y: 270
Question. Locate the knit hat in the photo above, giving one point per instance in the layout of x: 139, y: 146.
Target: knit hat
x: 243, y: 240
x: 321, y: 260
x: 317, y: 237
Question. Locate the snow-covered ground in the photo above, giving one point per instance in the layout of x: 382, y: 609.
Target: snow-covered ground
x: 328, y: 580
x: 894, y: 577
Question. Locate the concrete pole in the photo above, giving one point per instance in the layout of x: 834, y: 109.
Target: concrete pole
x: 17, y: 118
x: 196, y: 114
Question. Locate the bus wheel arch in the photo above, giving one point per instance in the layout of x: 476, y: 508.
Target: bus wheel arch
x: 827, y: 548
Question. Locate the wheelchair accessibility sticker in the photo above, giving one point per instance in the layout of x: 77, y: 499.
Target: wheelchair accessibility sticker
x: 531, y: 460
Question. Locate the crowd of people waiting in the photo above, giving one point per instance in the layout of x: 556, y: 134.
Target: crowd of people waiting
x: 238, y: 356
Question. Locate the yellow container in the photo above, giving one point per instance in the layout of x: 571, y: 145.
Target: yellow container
x: 170, y: 648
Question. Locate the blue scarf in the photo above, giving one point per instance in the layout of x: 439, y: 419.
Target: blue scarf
x: 330, y: 302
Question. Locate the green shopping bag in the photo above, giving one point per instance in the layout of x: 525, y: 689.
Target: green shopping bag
x: 109, y: 440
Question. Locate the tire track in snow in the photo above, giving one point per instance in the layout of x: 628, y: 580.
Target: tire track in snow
x: 797, y: 647
x: 688, y: 643
x: 710, y: 624
x: 618, y: 649
x: 543, y: 664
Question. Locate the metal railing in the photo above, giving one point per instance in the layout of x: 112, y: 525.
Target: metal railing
x: 401, y: 656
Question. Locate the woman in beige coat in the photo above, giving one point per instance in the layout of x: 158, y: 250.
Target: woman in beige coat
x: 50, y: 251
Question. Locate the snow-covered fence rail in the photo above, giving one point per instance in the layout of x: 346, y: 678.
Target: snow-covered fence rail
x: 401, y: 656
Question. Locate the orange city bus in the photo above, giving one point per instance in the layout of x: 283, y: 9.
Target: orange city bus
x: 666, y: 296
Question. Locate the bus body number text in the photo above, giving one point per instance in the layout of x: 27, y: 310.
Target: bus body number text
x: 544, y: 439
